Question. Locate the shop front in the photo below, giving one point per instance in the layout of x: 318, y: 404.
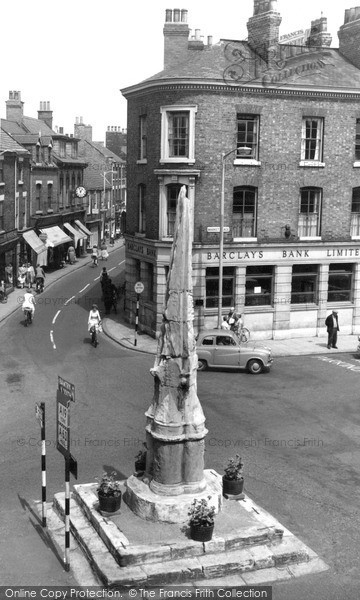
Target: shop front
x: 8, y: 265
x: 56, y: 242
x: 78, y: 237
x: 281, y: 291
x: 35, y: 250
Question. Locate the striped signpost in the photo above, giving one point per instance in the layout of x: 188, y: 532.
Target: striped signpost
x: 139, y: 288
x: 65, y: 394
x: 40, y: 415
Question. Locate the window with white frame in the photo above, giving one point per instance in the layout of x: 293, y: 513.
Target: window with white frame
x: 341, y: 282
x: 312, y: 139
x: 355, y: 212
x: 304, y: 284
x: 2, y: 215
x: 357, y: 140
x: 172, y: 194
x: 212, y: 287
x: 141, y: 208
x: 38, y: 196
x: 244, y: 212
x: 248, y: 136
x: 142, y: 137
x: 178, y: 134
x: 309, y: 212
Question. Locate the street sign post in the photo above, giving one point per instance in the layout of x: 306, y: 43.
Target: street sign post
x: 40, y: 415
x: 139, y: 288
x: 65, y: 395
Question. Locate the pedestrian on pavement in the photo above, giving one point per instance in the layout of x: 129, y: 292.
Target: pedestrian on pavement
x: 332, y: 324
x: 22, y: 275
x: 104, y: 252
x: 39, y: 277
x: 225, y: 325
x: 71, y: 255
x: 108, y: 295
x: 232, y: 318
x: 103, y: 276
x: 30, y: 275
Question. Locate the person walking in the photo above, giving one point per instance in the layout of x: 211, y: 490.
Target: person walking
x: 30, y: 275
x: 107, y: 290
x: 332, y: 324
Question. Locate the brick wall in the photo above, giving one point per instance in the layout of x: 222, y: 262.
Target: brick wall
x: 279, y: 178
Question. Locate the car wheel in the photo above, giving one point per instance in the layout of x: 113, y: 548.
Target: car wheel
x: 255, y: 366
x: 202, y: 365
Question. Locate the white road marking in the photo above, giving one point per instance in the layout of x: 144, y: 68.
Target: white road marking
x: 69, y: 300
x: 52, y: 340
x: 340, y: 363
x: 84, y: 288
x: 56, y: 316
x: 122, y: 262
x: 112, y: 268
x: 96, y: 278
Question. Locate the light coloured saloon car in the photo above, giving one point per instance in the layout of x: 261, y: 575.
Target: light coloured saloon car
x: 218, y: 348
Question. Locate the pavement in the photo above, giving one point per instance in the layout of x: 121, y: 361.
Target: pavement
x: 116, y: 327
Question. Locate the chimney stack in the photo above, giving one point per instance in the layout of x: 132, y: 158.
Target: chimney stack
x: 82, y: 131
x: 263, y: 27
x: 45, y: 114
x: 349, y: 36
x: 14, y: 107
x: 318, y: 33
x: 176, y: 35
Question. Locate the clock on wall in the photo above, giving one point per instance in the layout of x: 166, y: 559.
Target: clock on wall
x: 80, y: 191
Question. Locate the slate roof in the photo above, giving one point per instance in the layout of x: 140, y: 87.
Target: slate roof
x: 7, y: 142
x: 105, y: 151
x: 233, y: 62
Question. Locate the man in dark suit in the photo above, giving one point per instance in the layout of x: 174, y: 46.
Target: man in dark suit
x: 332, y: 324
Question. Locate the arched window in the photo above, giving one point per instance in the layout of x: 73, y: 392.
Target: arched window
x: 244, y: 211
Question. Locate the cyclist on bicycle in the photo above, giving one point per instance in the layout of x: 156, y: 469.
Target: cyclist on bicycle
x: 28, y: 304
x: 94, y: 323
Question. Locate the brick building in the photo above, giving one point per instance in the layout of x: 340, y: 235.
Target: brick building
x: 103, y: 180
x: 14, y: 205
x: 281, y: 123
x: 55, y: 211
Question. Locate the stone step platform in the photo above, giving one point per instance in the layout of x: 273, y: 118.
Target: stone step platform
x: 124, y: 550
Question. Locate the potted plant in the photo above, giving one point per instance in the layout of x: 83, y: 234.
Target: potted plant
x: 140, y: 459
x: 109, y: 493
x: 233, y: 480
x: 201, y: 520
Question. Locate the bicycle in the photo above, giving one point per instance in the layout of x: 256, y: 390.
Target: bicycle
x: 93, y: 333
x: 28, y: 316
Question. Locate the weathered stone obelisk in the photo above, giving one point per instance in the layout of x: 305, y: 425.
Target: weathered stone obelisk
x: 175, y: 428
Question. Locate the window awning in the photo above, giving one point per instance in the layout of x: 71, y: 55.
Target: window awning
x: 82, y: 227
x: 55, y: 236
x: 78, y: 235
x: 34, y: 241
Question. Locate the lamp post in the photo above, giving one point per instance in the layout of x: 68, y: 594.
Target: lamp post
x: 111, y: 196
x: 221, y: 249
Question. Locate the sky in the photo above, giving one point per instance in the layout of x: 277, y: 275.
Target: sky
x: 79, y: 54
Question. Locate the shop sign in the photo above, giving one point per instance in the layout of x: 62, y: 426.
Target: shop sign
x: 286, y: 254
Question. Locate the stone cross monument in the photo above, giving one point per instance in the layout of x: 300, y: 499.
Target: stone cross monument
x: 175, y: 428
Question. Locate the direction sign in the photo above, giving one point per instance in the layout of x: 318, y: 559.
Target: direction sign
x: 66, y: 388
x: 63, y: 424
x: 39, y: 414
x: 139, y: 287
x: 217, y: 229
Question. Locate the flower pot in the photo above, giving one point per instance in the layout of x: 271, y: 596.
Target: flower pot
x: 201, y: 533
x: 109, y: 503
x: 233, y: 487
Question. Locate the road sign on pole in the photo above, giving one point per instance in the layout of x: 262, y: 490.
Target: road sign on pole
x: 63, y: 424
x: 66, y: 388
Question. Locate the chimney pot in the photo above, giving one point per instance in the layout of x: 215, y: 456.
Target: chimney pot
x: 197, y: 34
x: 168, y: 15
x: 209, y: 40
x: 176, y: 15
x: 184, y: 15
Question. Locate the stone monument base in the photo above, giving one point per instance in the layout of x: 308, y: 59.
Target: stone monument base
x: 170, y: 509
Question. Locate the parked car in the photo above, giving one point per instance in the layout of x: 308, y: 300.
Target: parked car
x: 220, y: 348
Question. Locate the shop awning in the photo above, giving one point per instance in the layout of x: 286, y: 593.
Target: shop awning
x: 34, y: 241
x: 78, y: 235
x: 55, y: 236
x: 82, y: 227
